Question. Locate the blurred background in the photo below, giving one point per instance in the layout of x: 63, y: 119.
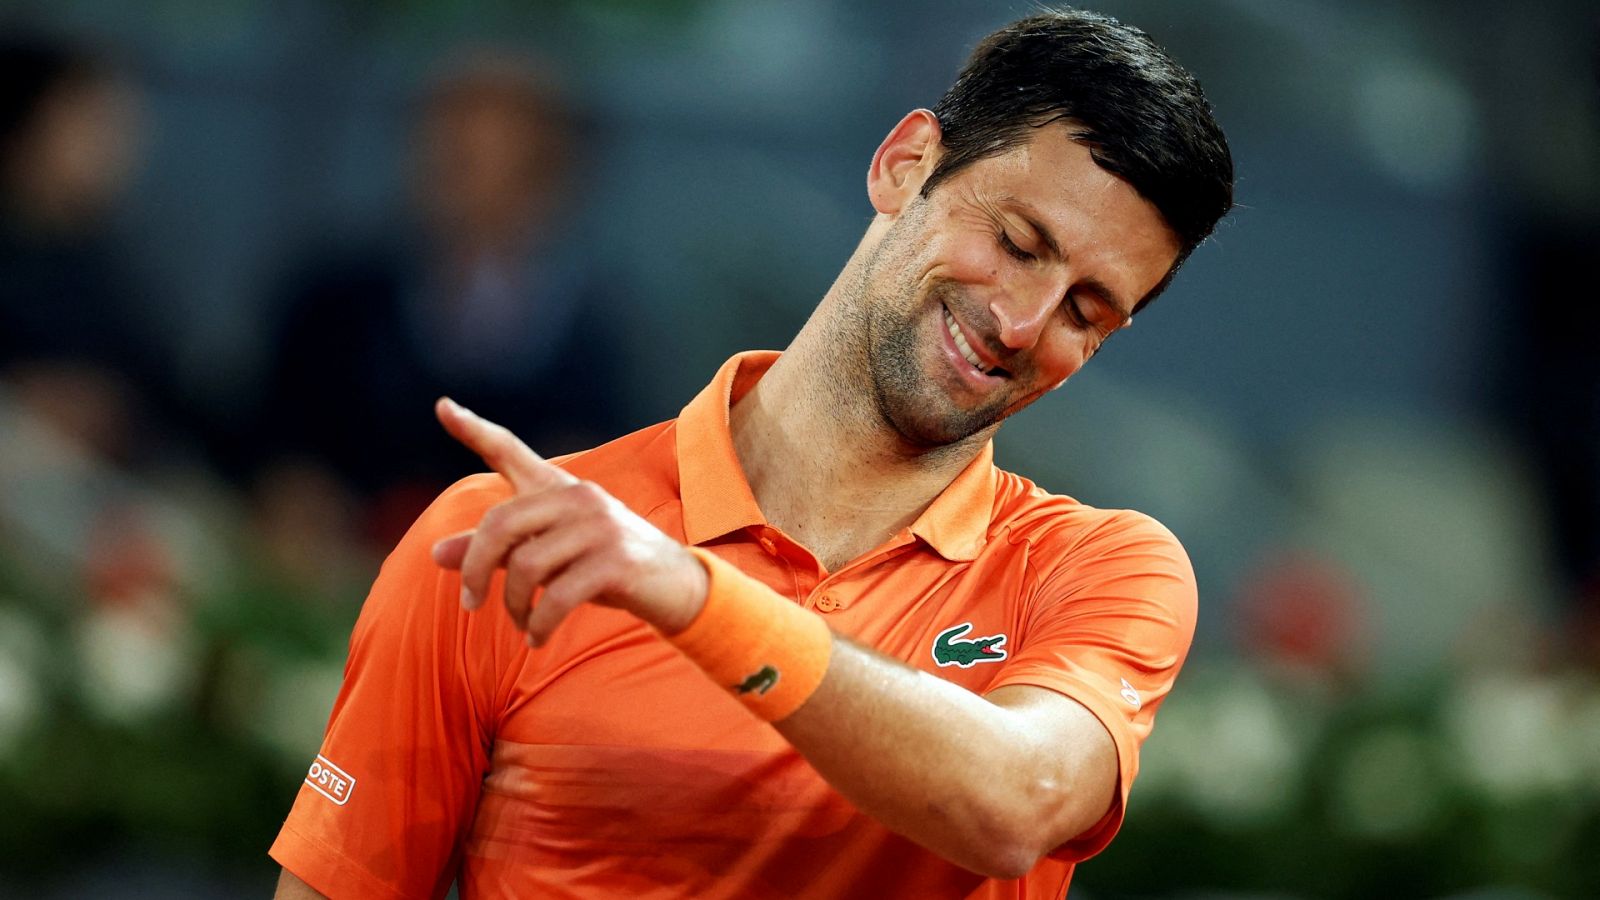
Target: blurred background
x: 244, y: 244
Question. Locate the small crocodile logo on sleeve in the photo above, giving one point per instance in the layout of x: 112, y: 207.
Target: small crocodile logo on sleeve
x: 759, y: 681
x: 949, y: 650
x: 1129, y: 694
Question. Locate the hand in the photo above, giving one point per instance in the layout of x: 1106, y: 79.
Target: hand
x: 566, y: 535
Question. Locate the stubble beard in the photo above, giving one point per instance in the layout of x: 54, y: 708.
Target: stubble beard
x: 890, y: 345
x: 908, y: 395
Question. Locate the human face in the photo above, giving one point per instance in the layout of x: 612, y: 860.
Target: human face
x: 999, y: 285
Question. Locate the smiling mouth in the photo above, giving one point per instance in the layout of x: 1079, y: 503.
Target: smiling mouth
x: 965, y: 349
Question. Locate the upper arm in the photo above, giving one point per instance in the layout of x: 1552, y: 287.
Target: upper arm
x: 1111, y: 627
x: 396, y: 781
x: 290, y: 887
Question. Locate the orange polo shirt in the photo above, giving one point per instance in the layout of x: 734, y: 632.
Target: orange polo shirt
x: 605, y: 764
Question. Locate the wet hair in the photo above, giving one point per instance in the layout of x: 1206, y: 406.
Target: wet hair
x: 1143, y: 116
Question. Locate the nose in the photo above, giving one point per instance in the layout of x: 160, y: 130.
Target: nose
x: 1023, y: 311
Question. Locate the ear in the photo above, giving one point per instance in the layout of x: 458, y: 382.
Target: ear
x: 904, y: 161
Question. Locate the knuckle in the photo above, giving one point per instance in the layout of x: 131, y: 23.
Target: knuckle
x: 611, y: 531
x: 526, y: 557
x: 494, y: 519
x: 524, y: 553
x: 557, y: 599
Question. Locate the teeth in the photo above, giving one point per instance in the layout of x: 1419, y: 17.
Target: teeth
x: 961, y: 343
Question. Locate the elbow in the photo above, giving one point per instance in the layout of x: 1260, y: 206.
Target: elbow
x: 1042, y: 812
x: 1010, y: 862
x: 1015, y: 838
x: 1006, y: 856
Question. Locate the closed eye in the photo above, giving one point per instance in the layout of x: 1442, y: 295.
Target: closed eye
x: 1076, y: 315
x: 1011, y: 248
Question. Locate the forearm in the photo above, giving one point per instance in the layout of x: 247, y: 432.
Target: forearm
x: 991, y: 783
x: 982, y: 785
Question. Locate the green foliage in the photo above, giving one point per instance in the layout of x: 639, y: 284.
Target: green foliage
x: 1423, y: 792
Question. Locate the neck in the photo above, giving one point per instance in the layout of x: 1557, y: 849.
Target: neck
x: 823, y: 464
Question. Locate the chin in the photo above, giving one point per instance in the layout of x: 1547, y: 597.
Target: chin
x: 912, y: 397
x: 917, y: 423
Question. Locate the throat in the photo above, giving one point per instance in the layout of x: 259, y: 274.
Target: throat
x: 824, y: 470
x: 837, y: 534
x: 835, y: 500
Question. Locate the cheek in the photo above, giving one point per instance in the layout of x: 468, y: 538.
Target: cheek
x: 962, y: 253
x: 973, y: 259
x: 1061, y: 357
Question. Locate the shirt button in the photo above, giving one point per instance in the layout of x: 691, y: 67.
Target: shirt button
x: 769, y: 546
x: 828, y: 603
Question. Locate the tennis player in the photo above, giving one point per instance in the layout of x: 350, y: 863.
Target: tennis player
x: 806, y: 640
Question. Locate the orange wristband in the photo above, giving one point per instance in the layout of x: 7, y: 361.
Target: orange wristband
x: 769, y: 652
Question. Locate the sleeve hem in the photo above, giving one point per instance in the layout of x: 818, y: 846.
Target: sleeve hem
x: 327, y: 870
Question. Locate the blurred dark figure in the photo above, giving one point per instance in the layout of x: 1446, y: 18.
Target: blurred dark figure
x: 1555, y: 399
x: 1553, y: 389
x: 74, y: 348
x: 485, y: 294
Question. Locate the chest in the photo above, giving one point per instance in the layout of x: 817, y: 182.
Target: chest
x: 606, y: 678
x: 611, y: 742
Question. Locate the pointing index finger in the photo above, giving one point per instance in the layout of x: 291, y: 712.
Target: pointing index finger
x: 527, y: 471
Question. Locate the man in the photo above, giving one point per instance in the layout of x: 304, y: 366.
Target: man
x: 671, y: 590
x: 75, y: 347
x: 477, y: 290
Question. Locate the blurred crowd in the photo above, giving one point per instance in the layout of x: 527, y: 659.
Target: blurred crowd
x: 178, y: 575
x: 202, y: 571
x: 476, y: 289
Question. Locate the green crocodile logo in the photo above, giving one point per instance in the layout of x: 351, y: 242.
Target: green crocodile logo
x: 760, y: 681
x: 948, y: 651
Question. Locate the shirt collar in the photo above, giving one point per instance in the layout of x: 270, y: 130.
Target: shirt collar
x: 956, y: 523
x: 717, y: 498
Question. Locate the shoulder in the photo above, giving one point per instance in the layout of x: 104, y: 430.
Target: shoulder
x: 1074, y: 550
x: 1027, y: 513
x: 462, y: 504
x: 1120, y: 569
x: 633, y: 467
x: 649, y: 454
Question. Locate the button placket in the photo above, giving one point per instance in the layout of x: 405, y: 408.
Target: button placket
x: 830, y: 600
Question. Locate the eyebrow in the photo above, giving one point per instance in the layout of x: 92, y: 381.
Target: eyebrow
x: 1029, y: 215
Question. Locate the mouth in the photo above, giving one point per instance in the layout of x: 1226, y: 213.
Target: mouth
x: 964, y: 348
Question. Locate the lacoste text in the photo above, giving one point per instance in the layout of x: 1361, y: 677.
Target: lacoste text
x: 330, y: 781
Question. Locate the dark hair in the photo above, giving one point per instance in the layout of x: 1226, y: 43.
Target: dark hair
x: 1142, y: 115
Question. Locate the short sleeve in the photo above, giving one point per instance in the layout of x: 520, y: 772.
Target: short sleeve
x: 1111, y: 624
x: 387, y: 800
